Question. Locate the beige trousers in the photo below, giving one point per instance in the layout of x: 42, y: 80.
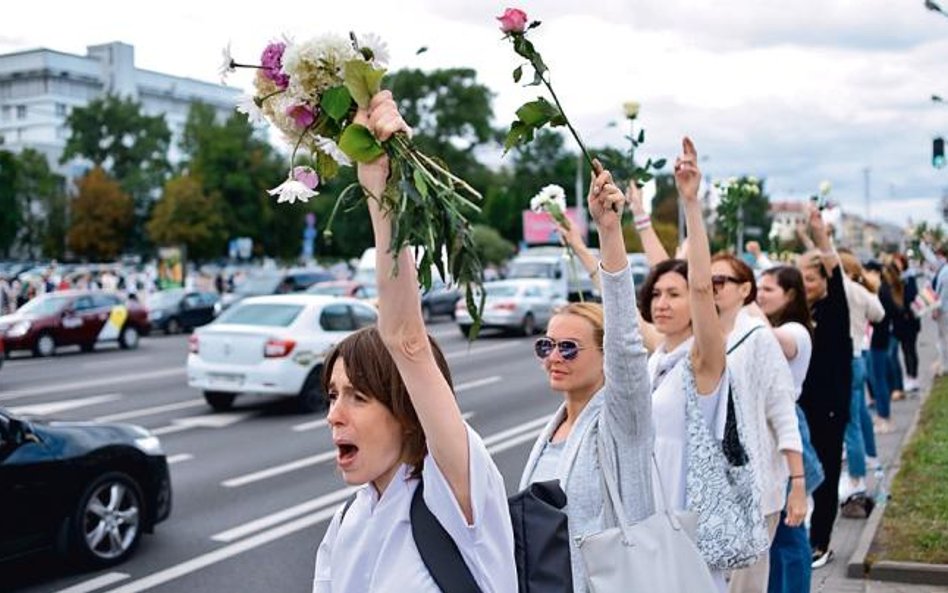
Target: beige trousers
x: 753, y: 579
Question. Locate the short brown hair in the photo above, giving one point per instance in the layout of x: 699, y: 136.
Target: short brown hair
x: 678, y: 266
x: 372, y: 372
x: 591, y: 312
x: 742, y: 272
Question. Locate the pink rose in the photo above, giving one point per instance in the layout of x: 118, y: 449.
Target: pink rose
x: 302, y: 115
x: 514, y: 20
x: 307, y: 176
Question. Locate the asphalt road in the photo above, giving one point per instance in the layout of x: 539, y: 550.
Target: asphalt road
x: 254, y: 488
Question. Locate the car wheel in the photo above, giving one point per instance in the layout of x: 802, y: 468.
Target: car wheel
x: 45, y: 345
x: 106, y: 525
x: 529, y: 325
x: 426, y: 313
x: 219, y: 401
x: 128, y: 339
x: 311, y: 397
x: 173, y: 326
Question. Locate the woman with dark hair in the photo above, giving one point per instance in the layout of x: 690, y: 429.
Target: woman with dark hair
x: 781, y: 297
x: 762, y: 386
x: 881, y: 375
x: 893, y: 276
x: 593, y: 355
x: 396, y: 425
x: 826, y: 394
x: 906, y: 326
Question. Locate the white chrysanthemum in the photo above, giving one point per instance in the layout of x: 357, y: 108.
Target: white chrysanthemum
x: 331, y: 149
x: 227, y: 63
x: 292, y: 190
x: 549, y: 197
x: 825, y: 188
x: 378, y: 47
x: 247, y: 105
x: 316, y: 64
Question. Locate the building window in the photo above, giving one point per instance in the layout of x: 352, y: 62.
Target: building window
x: 61, y: 109
x: 62, y: 132
x: 6, y: 112
x: 21, y: 111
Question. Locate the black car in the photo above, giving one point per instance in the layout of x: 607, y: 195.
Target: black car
x: 177, y: 310
x: 440, y: 299
x: 87, y: 490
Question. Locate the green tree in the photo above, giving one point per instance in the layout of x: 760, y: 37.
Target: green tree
x: 115, y: 134
x: 42, y: 203
x: 185, y: 214
x: 9, y: 206
x: 491, y: 247
x: 101, y: 215
x: 754, y: 211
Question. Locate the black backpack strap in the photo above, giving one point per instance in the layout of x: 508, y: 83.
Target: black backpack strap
x: 744, y: 337
x: 345, y: 507
x: 438, y: 551
x: 733, y: 449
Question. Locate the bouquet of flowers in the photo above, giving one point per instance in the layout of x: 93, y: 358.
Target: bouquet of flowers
x: 311, y: 90
x: 534, y: 115
x: 734, y: 194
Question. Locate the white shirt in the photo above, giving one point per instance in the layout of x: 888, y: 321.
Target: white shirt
x: 801, y: 362
x: 373, y: 550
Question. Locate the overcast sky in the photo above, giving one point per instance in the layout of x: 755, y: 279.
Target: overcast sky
x: 794, y: 92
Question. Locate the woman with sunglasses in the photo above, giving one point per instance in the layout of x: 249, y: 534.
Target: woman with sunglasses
x: 397, y: 427
x: 593, y: 354
x: 827, y: 389
x: 762, y: 387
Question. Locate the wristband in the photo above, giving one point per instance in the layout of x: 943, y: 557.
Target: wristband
x: 643, y: 223
x: 800, y: 477
x: 642, y: 218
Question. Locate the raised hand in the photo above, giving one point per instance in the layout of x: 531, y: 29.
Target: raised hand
x: 687, y: 174
x: 383, y: 120
x: 605, y: 199
x: 633, y: 197
x: 820, y: 233
x: 569, y: 234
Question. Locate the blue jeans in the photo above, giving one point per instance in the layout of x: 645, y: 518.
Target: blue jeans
x: 878, y: 377
x: 790, y: 558
x: 860, y: 441
x: 895, y: 367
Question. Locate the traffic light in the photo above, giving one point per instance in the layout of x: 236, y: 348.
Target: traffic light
x: 938, y: 153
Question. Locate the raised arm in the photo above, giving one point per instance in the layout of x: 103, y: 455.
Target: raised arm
x: 570, y: 235
x: 707, y: 354
x: 822, y: 241
x: 785, y: 337
x: 654, y: 250
x: 400, y: 323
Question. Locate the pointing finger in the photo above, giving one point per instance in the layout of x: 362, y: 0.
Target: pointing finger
x: 688, y: 147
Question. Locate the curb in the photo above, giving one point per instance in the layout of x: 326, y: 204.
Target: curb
x: 915, y: 573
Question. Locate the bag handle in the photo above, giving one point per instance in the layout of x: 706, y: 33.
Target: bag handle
x: 613, y: 499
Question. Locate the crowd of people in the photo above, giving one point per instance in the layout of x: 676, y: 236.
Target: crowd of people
x: 721, y: 395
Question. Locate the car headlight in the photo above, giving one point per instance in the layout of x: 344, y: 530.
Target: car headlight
x: 19, y: 329
x: 218, y: 307
x: 149, y: 444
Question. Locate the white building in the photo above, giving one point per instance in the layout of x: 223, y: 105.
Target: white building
x: 38, y: 89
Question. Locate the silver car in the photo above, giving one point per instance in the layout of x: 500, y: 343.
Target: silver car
x: 522, y: 305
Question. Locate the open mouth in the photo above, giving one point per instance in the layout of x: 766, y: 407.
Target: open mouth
x: 346, y: 452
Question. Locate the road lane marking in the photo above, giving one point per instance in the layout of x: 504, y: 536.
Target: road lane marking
x: 510, y: 432
x: 179, y: 458
x: 98, y: 582
x: 218, y: 420
x: 529, y: 436
x: 267, y: 521
x: 472, y: 351
x: 191, y: 403
x: 279, y: 469
x: 179, y: 570
x: 74, y: 385
x: 62, y: 406
x: 111, y: 363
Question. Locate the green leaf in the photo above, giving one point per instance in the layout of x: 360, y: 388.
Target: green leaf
x: 533, y: 25
x: 641, y: 136
x: 362, y: 80
x: 537, y: 113
x: 335, y: 102
x: 420, y: 184
x: 558, y: 120
x: 359, y: 144
x: 517, y: 73
x: 326, y: 166
x: 520, y: 133
x: 421, y: 50
x: 659, y: 163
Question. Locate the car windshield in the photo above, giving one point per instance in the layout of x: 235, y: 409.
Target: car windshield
x: 331, y: 290
x: 45, y: 305
x: 259, y: 285
x: 165, y: 298
x: 532, y: 270
x: 270, y: 315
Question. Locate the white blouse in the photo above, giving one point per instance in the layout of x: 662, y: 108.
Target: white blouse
x: 373, y: 550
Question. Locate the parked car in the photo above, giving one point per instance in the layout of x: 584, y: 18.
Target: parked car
x: 440, y: 299
x: 87, y: 490
x: 273, y: 282
x: 553, y: 263
x: 638, y: 262
x: 272, y: 345
x: 177, y: 310
x: 345, y: 288
x: 74, y: 317
x: 523, y: 306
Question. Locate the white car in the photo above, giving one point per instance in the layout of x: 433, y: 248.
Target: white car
x: 272, y: 345
x: 523, y: 305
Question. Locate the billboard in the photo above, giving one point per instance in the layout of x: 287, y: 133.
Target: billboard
x: 539, y: 228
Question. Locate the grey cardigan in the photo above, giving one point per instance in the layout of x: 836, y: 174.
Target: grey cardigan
x: 620, y: 414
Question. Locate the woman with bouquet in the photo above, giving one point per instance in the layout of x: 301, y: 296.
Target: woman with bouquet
x: 396, y: 425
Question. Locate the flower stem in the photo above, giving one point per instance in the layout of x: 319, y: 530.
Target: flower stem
x: 582, y: 146
x: 234, y: 64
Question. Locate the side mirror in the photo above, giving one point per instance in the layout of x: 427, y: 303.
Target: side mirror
x: 20, y: 431
x: 69, y: 311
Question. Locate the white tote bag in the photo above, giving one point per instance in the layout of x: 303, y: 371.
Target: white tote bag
x: 656, y: 555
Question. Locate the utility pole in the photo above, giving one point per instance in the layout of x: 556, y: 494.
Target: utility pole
x: 865, y: 180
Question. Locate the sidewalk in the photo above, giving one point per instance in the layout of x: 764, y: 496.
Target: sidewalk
x: 832, y: 577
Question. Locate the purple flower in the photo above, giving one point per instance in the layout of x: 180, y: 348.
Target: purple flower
x: 272, y: 62
x: 302, y: 115
x: 307, y: 176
